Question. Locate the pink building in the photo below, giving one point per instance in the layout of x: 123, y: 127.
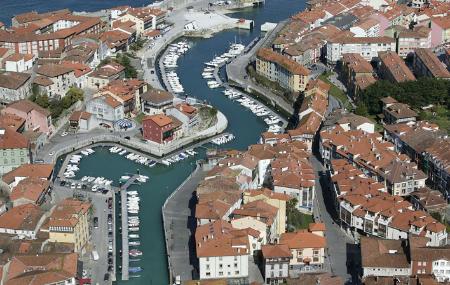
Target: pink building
x: 440, y: 31
x: 36, y: 118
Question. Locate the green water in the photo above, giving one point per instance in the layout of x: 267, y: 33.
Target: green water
x: 164, y: 180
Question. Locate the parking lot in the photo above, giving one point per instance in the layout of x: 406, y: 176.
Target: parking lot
x: 102, y: 228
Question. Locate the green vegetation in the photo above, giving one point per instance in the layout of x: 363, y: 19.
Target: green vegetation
x: 139, y: 118
x: 124, y: 60
x: 138, y: 44
x: 295, y: 219
x: 335, y: 91
x: 208, y: 116
x: 420, y: 93
x: 58, y: 106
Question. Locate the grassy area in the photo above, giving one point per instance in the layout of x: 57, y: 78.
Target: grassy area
x: 296, y: 220
x: 139, y: 118
x: 438, y: 115
x: 335, y: 91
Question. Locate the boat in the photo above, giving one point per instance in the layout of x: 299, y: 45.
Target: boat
x: 135, y: 252
x: 133, y: 236
x: 134, y: 269
x: 134, y: 243
x: 213, y: 84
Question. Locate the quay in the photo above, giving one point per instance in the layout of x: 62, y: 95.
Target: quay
x: 179, y: 226
x: 124, y: 211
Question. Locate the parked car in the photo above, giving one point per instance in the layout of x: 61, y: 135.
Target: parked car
x: 95, y: 222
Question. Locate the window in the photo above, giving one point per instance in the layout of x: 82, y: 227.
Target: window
x: 237, y: 272
x: 419, y: 263
x: 220, y: 265
x: 207, y: 266
x: 220, y: 273
x: 208, y: 273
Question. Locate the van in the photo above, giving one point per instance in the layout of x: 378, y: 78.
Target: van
x: 95, y: 255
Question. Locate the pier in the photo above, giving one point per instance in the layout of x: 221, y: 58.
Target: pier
x: 125, y: 246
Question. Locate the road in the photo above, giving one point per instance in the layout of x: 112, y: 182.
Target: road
x: 341, y: 247
x: 236, y: 72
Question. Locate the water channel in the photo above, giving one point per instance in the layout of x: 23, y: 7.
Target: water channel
x: 164, y: 180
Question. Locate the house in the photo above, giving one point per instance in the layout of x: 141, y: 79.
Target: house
x: 161, y: 128
x: 19, y: 62
x: 223, y: 254
x: 127, y: 92
x: 367, y: 47
x: 145, y: 18
x: 14, y: 86
x: 353, y: 67
x: 81, y: 72
x: 276, y: 263
x: 22, y: 221
x: 440, y: 30
x: 351, y: 121
x: 393, y: 68
x: 62, y: 78
x: 186, y: 114
x: 426, y: 63
x: 409, y: 39
x: 278, y: 68
x: 436, y: 157
x: 36, y: 117
x: 366, y: 28
x: 384, y: 258
x: 81, y: 120
x: 402, y: 178
x: 395, y: 112
x: 104, y: 74
x: 155, y: 101
x: 14, y: 122
x: 42, y: 171
x: 29, y: 190
x: 42, y: 269
x: 105, y: 109
x: 15, y: 149
x: 428, y: 200
x: 69, y: 223
x: 307, y: 248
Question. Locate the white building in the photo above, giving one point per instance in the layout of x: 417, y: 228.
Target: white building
x: 367, y: 28
x: 14, y: 86
x: 19, y: 62
x: 105, y: 108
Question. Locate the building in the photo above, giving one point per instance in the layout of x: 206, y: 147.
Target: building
x: 17, y: 62
x: 367, y: 47
x: 353, y: 67
x: 276, y: 263
x: 366, y: 28
x: 82, y: 121
x: 127, y: 92
x: 14, y: 86
x: 437, y: 165
x: 42, y: 269
x: 427, y: 64
x: 440, y: 30
x: 144, y: 18
x: 409, y: 39
x: 393, y: 68
x: 403, y: 178
x: 105, y: 109
x: 161, y: 128
x: 278, y: 68
x: 69, y: 223
x: 105, y: 74
x: 42, y: 171
x: 186, y: 114
x: 431, y: 201
x: 22, y: 221
x: 396, y: 113
x: 384, y: 258
x: 37, y: 119
x: 62, y: 78
x: 14, y: 122
x: 307, y: 248
x: 426, y: 260
x: 29, y: 190
x: 156, y: 101
x: 15, y: 150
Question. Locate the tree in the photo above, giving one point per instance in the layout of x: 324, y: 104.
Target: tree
x: 42, y: 100
x: 361, y: 109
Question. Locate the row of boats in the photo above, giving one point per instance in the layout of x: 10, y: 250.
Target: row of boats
x: 74, y: 161
x: 132, y: 156
x: 178, y: 157
x: 223, y: 139
x: 133, y: 201
x: 170, y: 59
x: 139, y: 178
x: 96, y: 181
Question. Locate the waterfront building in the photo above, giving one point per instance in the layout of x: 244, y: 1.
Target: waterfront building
x: 42, y: 171
x: 14, y: 86
x: 15, y: 149
x: 426, y: 63
x: 145, y: 18
x: 276, y: 263
x: 61, y: 77
x: 384, y: 258
x: 105, y: 108
x: 42, y: 269
x: 22, y: 222
x: 161, y: 128
x: 222, y: 254
x: 156, y: 101
x: 37, y: 119
x: 186, y: 114
x: 278, y: 68
x: 83, y: 121
x: 367, y: 47
x: 307, y: 249
x: 393, y: 68
x: 105, y: 74
x: 29, y: 190
x: 127, y: 92
x: 69, y: 223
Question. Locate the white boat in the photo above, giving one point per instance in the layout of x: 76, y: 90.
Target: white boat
x: 133, y: 236
x: 213, y: 84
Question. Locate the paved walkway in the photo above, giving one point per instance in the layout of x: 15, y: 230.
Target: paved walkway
x: 179, y: 227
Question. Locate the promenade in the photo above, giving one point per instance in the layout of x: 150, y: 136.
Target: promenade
x: 179, y: 227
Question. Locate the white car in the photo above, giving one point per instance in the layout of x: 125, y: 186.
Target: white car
x: 64, y: 134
